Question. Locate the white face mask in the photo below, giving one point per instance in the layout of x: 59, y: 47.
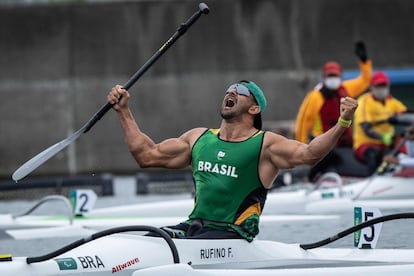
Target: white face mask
x: 332, y: 83
x: 380, y: 92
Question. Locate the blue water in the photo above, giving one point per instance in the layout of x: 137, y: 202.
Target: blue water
x: 394, y: 234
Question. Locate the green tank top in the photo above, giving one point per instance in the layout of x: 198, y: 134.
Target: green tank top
x: 227, y: 184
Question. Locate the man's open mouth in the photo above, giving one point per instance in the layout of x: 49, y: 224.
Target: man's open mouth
x: 230, y: 102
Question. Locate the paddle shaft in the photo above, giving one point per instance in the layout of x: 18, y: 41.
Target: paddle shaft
x: 384, y: 165
x: 355, y: 228
x: 180, y: 31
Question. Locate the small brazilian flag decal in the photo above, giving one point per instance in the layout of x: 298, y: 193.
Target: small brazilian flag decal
x: 67, y: 264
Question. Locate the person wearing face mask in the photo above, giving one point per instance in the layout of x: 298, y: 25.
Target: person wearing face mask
x: 372, y: 139
x: 319, y: 110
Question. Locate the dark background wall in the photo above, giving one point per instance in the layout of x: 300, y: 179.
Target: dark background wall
x: 58, y: 62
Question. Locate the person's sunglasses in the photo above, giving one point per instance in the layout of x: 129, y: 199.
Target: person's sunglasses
x: 240, y: 88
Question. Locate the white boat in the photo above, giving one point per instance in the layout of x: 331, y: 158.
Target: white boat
x: 187, y: 270
x: 27, y: 226
x: 335, y: 194
x: 35, y: 227
x: 330, y: 198
x: 130, y: 254
x: 377, y: 187
x: 325, y: 201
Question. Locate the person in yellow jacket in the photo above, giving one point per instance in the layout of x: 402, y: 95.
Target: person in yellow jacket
x: 372, y: 133
x: 319, y: 110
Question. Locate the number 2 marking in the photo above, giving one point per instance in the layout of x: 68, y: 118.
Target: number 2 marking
x: 83, y: 204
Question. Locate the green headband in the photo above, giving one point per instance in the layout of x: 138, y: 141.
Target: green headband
x: 257, y: 93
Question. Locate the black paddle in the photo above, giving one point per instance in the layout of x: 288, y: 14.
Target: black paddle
x: 105, y: 233
x: 45, y: 155
x: 384, y: 165
x: 355, y: 228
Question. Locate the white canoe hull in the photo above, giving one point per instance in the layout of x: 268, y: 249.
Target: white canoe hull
x: 126, y: 253
x: 331, y: 200
x: 322, y: 203
x: 35, y: 227
x: 385, y: 192
x: 296, y: 202
x: 380, y: 187
x: 186, y: 270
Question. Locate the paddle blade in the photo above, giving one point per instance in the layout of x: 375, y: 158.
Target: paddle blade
x: 45, y: 155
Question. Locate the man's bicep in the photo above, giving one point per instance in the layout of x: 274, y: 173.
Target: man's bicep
x: 286, y: 153
x: 173, y: 153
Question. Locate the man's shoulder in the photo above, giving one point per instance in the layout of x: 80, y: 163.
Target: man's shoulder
x: 192, y: 135
x: 272, y: 137
x: 197, y: 131
x: 194, y: 132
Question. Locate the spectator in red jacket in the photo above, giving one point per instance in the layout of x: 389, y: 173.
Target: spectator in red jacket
x: 319, y: 110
